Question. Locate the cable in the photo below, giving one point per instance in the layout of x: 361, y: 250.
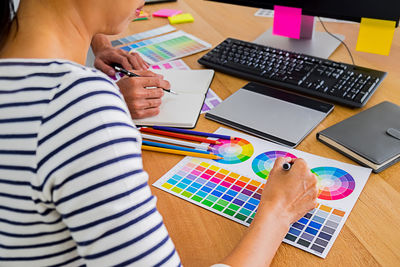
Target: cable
x: 334, y: 36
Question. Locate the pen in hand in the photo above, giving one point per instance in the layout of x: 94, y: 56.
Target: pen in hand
x: 286, y: 166
x: 131, y: 74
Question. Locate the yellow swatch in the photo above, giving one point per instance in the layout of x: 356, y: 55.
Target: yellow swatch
x: 181, y: 18
x: 375, y: 36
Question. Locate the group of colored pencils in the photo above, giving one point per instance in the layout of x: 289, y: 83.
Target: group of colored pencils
x: 180, y: 147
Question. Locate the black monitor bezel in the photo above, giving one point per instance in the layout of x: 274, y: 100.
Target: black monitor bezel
x: 269, y: 5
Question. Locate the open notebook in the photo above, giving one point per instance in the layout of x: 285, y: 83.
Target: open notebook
x: 181, y: 110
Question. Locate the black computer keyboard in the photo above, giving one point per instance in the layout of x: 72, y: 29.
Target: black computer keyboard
x: 322, y: 78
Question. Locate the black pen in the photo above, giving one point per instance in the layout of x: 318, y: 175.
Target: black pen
x: 131, y: 74
x: 286, y: 166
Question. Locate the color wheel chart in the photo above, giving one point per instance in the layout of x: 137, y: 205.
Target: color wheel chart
x: 333, y: 183
x: 264, y: 162
x: 231, y: 188
x: 169, y: 47
x: 234, y: 151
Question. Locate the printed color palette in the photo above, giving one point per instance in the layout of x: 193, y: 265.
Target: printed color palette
x: 233, y: 151
x: 178, y: 64
x: 315, y: 230
x: 237, y: 197
x: 181, y: 45
x: 154, y: 40
x: 212, y: 100
x: 216, y: 189
x: 234, y: 190
x: 264, y: 162
x: 143, y: 35
x: 333, y: 183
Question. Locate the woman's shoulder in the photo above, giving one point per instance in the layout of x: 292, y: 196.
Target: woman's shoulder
x: 78, y: 73
x: 47, y: 71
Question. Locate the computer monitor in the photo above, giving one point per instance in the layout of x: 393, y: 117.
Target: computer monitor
x: 321, y: 44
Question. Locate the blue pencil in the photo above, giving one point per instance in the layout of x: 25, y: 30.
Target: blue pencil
x: 150, y: 143
x: 192, y: 132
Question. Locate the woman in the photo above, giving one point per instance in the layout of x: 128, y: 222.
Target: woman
x: 73, y: 190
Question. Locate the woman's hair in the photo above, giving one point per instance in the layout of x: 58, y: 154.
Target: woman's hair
x: 6, y: 17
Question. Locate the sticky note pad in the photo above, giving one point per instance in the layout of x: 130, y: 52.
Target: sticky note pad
x: 287, y: 21
x: 142, y: 16
x: 166, y: 12
x: 375, y: 36
x: 181, y: 18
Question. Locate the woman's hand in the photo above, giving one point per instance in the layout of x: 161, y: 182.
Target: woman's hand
x: 286, y: 197
x: 110, y: 55
x: 293, y: 192
x: 143, y: 101
x: 106, y: 56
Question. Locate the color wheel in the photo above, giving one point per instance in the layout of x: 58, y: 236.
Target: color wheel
x: 333, y: 183
x: 234, y: 151
x: 264, y: 162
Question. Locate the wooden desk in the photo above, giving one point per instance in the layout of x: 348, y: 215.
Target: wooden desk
x: 371, y: 234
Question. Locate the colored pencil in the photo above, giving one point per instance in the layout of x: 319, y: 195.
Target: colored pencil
x: 180, y: 152
x: 184, y: 131
x: 177, y: 135
x: 174, y: 141
x: 150, y: 143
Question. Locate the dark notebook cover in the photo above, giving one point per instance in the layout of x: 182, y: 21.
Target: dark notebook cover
x: 366, y: 135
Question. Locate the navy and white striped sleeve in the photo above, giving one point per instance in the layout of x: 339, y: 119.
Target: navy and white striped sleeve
x: 89, y: 169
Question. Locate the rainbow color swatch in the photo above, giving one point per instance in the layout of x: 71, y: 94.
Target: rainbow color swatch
x: 233, y: 151
x: 143, y: 35
x: 264, y: 162
x: 314, y: 232
x: 216, y: 189
x: 333, y: 183
x: 237, y: 197
x: 170, y: 47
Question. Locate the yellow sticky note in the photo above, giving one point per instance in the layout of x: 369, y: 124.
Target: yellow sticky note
x: 181, y: 18
x: 375, y: 36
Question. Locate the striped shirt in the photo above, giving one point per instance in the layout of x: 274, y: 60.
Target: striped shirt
x: 72, y: 186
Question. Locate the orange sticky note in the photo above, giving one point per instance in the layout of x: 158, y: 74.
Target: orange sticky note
x: 375, y: 36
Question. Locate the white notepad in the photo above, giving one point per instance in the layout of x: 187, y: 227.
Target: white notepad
x: 181, y: 110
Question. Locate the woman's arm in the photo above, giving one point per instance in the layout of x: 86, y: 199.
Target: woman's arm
x: 287, y: 196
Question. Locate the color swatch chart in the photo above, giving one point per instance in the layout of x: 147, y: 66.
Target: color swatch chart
x: 143, y: 35
x: 232, y: 187
x: 237, y: 197
x: 178, y: 64
x: 212, y: 100
x: 171, y: 46
x: 219, y: 190
x: 316, y: 229
x: 154, y: 40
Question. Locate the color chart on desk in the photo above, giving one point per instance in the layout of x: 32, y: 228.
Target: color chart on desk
x: 234, y: 190
x: 168, y: 47
x: 144, y: 35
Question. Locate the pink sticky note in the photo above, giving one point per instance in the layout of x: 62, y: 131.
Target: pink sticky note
x: 156, y: 67
x: 166, y: 12
x: 287, y: 21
